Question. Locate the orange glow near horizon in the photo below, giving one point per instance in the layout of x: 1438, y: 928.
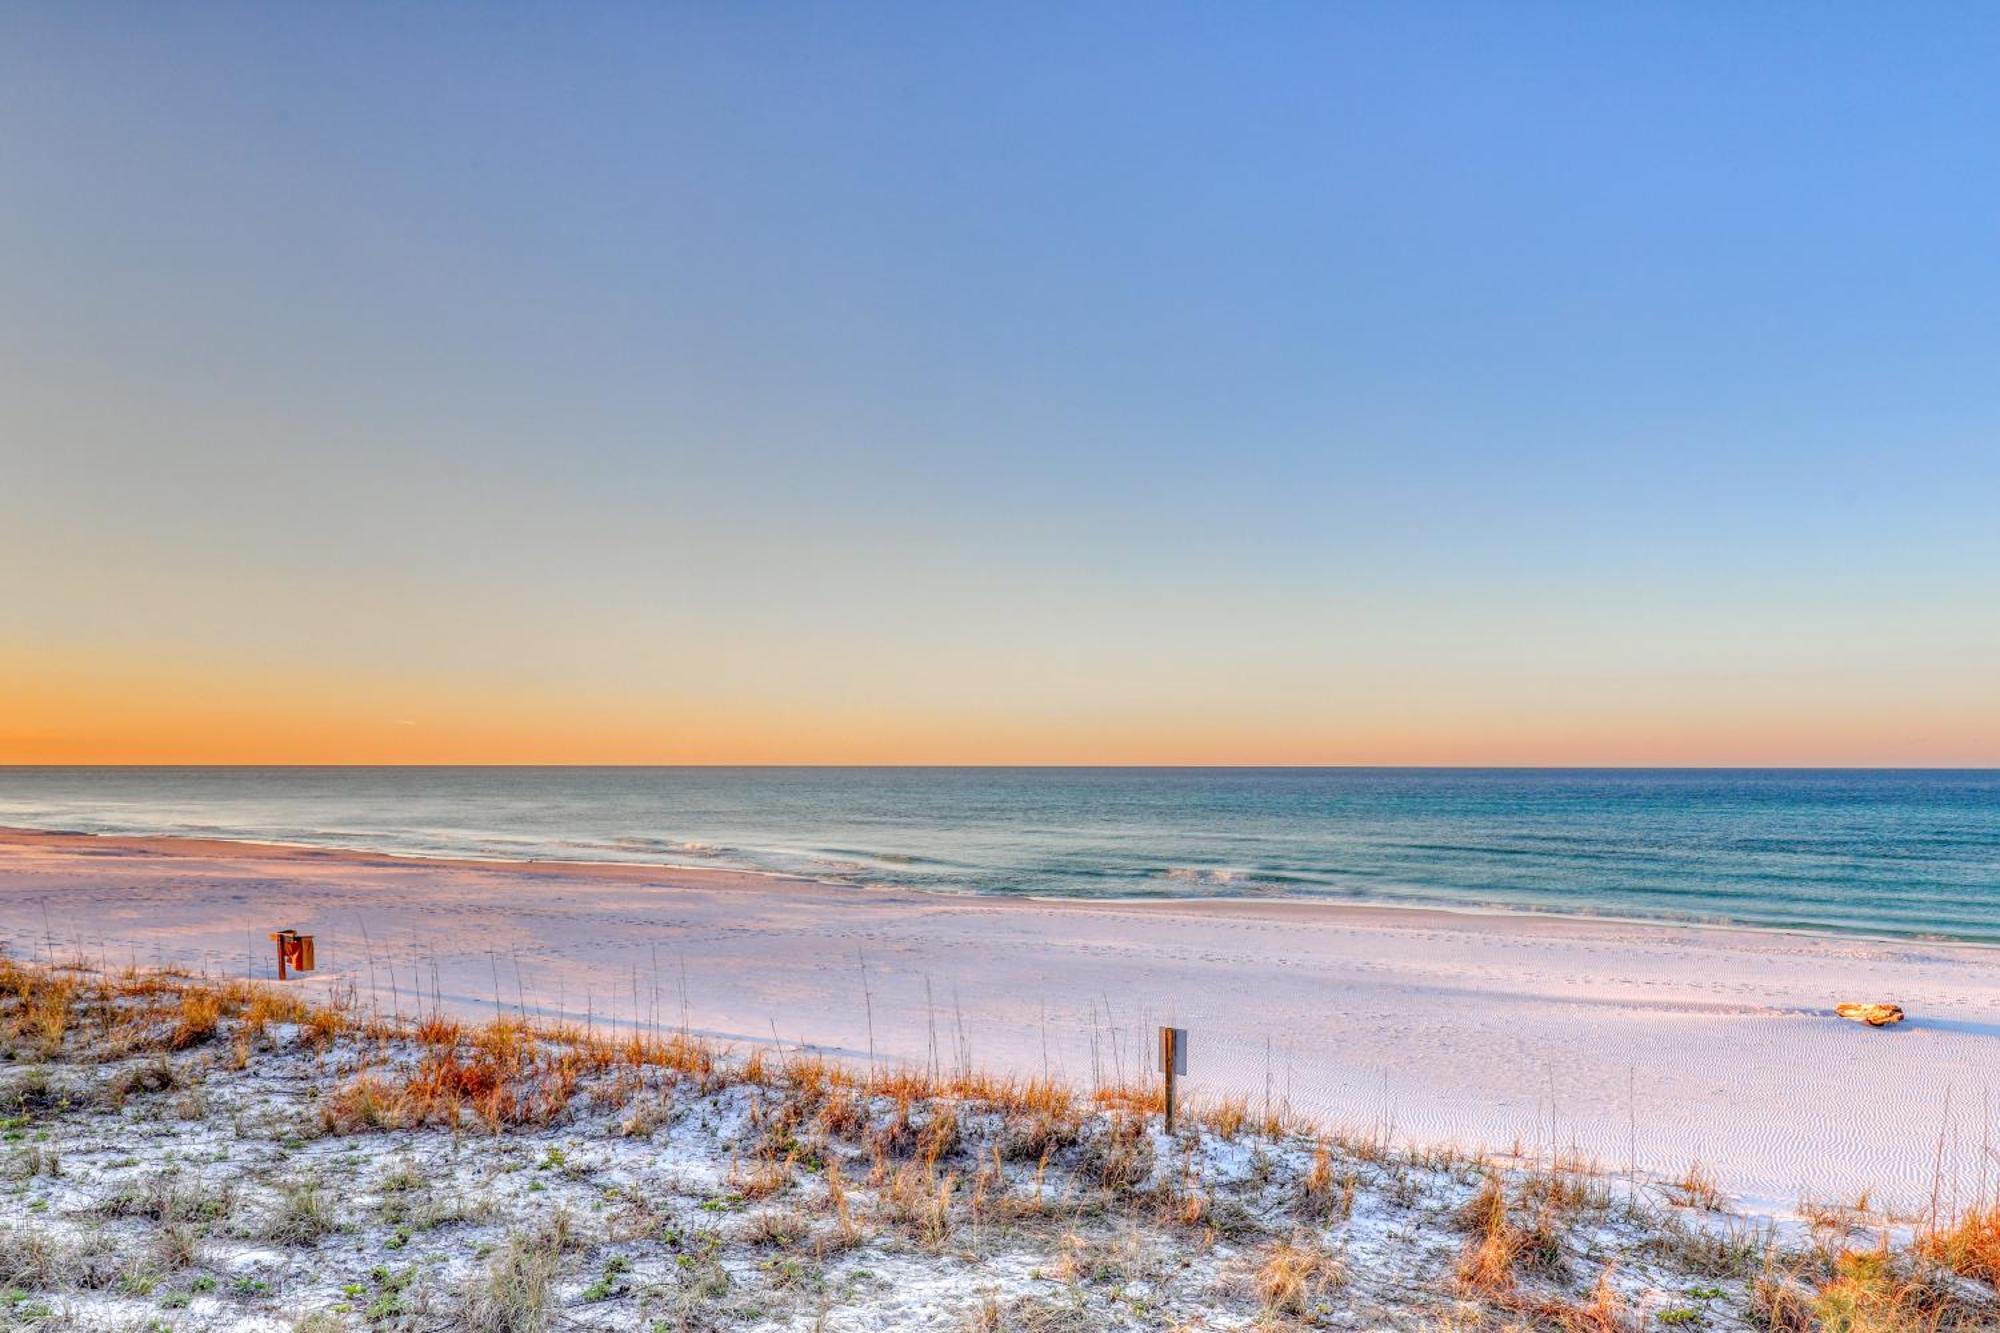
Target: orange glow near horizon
x: 111, y: 718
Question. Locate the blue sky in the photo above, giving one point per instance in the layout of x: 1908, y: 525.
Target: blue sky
x: 1457, y: 382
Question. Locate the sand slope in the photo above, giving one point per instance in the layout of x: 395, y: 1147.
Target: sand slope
x: 1661, y: 1043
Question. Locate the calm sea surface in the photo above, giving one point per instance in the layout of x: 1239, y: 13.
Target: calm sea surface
x: 1881, y: 852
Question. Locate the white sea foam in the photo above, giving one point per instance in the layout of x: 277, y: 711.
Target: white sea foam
x: 1205, y: 875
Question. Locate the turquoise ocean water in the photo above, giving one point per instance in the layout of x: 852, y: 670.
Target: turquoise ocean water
x: 1912, y: 853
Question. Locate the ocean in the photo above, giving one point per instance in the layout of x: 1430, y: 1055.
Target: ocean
x: 1898, y: 853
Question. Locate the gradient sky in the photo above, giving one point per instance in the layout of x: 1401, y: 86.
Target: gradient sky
x: 1331, y: 383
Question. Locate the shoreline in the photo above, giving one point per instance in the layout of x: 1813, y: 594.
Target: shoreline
x: 254, y: 847
x: 720, y: 875
x: 1665, y: 1042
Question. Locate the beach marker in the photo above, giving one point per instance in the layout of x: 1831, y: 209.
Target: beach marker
x: 295, y: 952
x: 1173, y: 1063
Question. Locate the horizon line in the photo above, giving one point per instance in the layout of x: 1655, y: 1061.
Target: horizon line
x: 1220, y: 768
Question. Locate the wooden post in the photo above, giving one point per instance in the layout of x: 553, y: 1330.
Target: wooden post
x: 1173, y: 1063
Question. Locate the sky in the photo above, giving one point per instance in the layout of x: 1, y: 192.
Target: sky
x: 943, y: 383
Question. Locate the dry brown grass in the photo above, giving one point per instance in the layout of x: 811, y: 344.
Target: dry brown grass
x: 504, y: 1073
x: 303, y: 1215
x: 1873, y: 1290
x: 512, y: 1072
x: 1867, y: 1292
x: 917, y: 1199
x: 842, y: 1114
x: 846, y: 1233
x: 1188, y: 1208
x: 1499, y: 1246
x: 1567, y: 1189
x: 940, y: 1136
x: 130, y: 1011
x: 1120, y: 1156
x: 1227, y: 1116
x: 1486, y: 1267
x: 200, y: 1015
x: 323, y: 1026
x: 1969, y: 1245
x: 1602, y: 1312
x: 1782, y: 1302
x: 366, y: 1102
x: 262, y: 1005
x: 1324, y: 1194
x: 514, y: 1294
x: 1697, y: 1188
x: 763, y: 1179
x: 42, y: 1004
x: 1295, y: 1276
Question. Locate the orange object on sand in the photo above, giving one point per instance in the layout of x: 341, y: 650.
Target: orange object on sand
x: 295, y: 952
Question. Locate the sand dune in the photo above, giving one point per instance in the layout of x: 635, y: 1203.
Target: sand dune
x: 1629, y: 1042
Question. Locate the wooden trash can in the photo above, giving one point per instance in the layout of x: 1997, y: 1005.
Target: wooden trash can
x: 295, y: 952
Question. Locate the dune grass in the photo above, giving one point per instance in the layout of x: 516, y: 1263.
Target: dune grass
x: 822, y: 1163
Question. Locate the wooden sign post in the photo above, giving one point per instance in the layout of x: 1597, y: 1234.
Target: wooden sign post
x: 1173, y: 1063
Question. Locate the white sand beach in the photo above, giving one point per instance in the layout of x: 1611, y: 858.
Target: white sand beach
x: 1630, y: 1043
